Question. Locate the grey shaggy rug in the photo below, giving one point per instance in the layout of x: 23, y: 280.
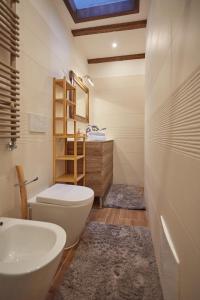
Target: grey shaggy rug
x: 112, y: 263
x: 125, y: 196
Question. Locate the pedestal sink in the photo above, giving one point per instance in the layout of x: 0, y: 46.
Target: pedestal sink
x: 30, y: 252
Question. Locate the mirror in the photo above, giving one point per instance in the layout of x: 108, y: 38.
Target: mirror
x: 81, y: 112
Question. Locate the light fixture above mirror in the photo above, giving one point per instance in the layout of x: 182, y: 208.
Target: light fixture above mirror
x: 88, y: 79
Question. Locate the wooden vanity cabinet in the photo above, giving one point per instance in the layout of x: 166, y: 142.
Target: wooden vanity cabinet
x: 99, y: 167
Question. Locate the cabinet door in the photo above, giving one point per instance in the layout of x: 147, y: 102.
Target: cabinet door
x: 99, y: 166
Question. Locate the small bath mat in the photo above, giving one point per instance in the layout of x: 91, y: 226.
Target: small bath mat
x: 125, y: 196
x: 112, y: 262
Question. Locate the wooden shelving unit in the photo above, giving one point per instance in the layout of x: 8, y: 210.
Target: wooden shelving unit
x: 64, y: 96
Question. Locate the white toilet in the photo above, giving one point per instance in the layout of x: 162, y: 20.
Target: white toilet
x: 65, y: 205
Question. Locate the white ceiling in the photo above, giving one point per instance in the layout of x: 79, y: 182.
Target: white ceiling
x: 118, y: 68
x: 100, y: 45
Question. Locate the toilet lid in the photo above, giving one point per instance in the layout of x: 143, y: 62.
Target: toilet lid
x: 64, y: 194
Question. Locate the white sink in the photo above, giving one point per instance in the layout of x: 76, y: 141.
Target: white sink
x: 30, y: 252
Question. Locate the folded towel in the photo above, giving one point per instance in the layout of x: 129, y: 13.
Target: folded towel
x: 96, y: 138
x: 97, y: 133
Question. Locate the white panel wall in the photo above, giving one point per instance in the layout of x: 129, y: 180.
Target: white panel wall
x: 172, y: 134
x: 119, y: 106
x: 47, y: 50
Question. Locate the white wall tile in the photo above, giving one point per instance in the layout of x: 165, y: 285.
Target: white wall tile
x: 119, y: 106
x: 172, y: 130
x: 47, y: 50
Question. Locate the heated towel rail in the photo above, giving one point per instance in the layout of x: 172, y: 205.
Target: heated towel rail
x: 9, y: 76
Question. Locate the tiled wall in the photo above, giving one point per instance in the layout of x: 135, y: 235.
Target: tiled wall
x: 119, y: 106
x: 47, y: 50
x: 172, y: 134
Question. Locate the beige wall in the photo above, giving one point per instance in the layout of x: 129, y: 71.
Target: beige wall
x: 47, y: 50
x: 119, y: 106
x: 172, y: 137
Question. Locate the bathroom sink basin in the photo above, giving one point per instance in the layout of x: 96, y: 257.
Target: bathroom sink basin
x: 29, y: 255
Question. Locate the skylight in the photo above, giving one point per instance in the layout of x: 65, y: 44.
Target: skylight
x: 88, y: 10
x: 90, y: 3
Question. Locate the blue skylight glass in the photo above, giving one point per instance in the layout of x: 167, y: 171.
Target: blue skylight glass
x: 90, y: 3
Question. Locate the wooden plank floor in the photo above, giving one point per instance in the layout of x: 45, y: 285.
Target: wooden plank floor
x: 107, y: 216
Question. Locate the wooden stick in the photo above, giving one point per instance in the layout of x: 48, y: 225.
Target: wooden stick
x: 8, y: 19
x: 7, y: 42
x: 23, y: 192
x: 9, y: 67
x: 10, y: 10
x: 84, y: 162
x: 9, y: 32
x: 10, y: 91
x: 8, y: 49
x: 8, y: 78
x: 7, y: 11
x: 13, y: 86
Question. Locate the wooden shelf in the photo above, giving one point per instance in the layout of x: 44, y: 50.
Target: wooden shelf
x: 68, y: 101
x: 69, y: 157
x: 69, y: 178
x: 65, y: 136
x: 68, y: 85
x: 64, y: 100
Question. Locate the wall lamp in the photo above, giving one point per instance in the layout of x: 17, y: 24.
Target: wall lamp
x: 88, y: 79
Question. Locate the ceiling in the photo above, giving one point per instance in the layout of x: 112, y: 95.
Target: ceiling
x: 100, y: 45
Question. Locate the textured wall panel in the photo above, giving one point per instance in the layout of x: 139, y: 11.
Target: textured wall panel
x: 176, y: 124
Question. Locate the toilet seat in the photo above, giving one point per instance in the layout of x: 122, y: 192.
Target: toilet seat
x: 65, y: 195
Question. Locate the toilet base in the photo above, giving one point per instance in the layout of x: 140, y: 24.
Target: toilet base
x: 65, y: 205
x: 72, y: 246
x: 71, y: 218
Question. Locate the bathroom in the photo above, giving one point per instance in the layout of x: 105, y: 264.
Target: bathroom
x: 150, y: 109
